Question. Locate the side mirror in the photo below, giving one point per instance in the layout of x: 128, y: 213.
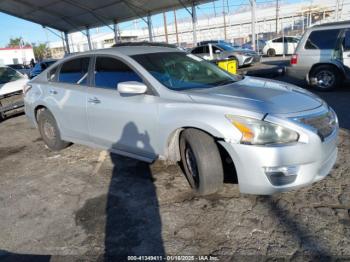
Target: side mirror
x: 132, y: 88
x: 217, y: 51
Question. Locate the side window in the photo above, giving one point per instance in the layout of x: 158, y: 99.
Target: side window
x: 51, y: 75
x: 206, y: 49
x: 322, y: 39
x: 215, y: 48
x: 346, y: 41
x: 75, y: 71
x: 277, y: 40
x: 198, y: 50
x: 109, y: 72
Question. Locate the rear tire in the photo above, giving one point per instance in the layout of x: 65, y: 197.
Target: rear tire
x: 329, y: 75
x: 271, y: 52
x: 49, y: 131
x: 201, y: 160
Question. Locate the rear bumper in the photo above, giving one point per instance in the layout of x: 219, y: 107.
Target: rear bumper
x: 312, y: 163
x: 297, y: 73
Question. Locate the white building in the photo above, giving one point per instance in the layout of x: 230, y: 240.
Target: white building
x: 292, y: 18
x: 16, y: 55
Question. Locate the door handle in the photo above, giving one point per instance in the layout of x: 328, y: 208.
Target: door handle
x: 94, y: 100
x: 53, y: 92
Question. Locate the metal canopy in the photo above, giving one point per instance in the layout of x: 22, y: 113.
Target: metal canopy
x: 77, y: 15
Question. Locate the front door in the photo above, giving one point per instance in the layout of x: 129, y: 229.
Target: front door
x: 127, y: 123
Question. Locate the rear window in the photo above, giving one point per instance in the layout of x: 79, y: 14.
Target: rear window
x: 323, y: 39
x: 75, y: 71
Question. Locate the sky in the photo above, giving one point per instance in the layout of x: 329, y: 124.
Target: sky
x: 12, y: 27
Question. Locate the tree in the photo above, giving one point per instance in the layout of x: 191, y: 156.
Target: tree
x: 41, y: 51
x: 16, y: 42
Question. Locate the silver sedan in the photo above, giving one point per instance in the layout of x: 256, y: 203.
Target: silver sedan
x: 154, y: 103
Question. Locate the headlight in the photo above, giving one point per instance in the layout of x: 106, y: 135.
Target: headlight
x: 258, y: 132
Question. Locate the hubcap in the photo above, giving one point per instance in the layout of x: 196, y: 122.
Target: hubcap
x: 325, y: 79
x: 49, y: 130
x: 192, y: 166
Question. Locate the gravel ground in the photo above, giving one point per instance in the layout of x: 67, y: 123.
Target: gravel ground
x: 83, y: 204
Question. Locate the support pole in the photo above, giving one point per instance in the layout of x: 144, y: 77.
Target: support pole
x: 253, y: 6
x: 277, y: 14
x: 149, y: 24
x: 67, y: 42
x: 63, y: 44
x: 176, y: 29
x: 337, y: 10
x: 224, y: 15
x: 116, y: 32
x: 88, y: 38
x: 194, y: 24
x: 165, y: 28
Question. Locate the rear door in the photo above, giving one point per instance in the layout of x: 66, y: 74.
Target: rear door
x: 277, y: 44
x: 202, y: 51
x: 66, y: 96
x: 122, y: 122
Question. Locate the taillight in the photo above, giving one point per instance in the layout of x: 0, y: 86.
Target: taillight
x: 26, y: 88
x: 294, y: 59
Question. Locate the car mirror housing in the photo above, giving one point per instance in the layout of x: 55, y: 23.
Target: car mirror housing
x: 132, y: 88
x: 217, y: 51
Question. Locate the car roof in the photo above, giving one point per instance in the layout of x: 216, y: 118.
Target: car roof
x: 333, y: 24
x: 129, y: 50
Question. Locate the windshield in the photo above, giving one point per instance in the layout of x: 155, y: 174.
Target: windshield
x: 8, y: 75
x: 181, y: 71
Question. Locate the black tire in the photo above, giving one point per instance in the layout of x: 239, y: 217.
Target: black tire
x: 201, y: 161
x: 271, y: 52
x: 330, y: 76
x: 49, y: 131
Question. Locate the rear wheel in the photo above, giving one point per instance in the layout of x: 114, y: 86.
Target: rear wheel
x: 271, y: 52
x: 325, y: 78
x: 49, y: 131
x: 201, y: 160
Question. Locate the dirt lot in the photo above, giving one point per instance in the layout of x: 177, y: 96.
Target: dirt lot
x: 79, y: 203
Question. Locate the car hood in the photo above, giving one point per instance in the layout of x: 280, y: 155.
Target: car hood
x: 259, y: 95
x: 13, y: 86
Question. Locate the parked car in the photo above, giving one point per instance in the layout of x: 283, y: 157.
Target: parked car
x: 40, y: 67
x: 260, y: 45
x: 153, y: 103
x: 221, y: 51
x: 322, y: 57
x: 11, y: 86
x: 280, y: 46
x: 23, y: 69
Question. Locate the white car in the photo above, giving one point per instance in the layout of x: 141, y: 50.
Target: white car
x: 280, y: 46
x: 11, y: 94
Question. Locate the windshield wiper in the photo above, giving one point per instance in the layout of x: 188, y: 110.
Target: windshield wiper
x: 224, y: 82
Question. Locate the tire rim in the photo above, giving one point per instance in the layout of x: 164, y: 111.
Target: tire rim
x: 325, y: 79
x: 192, y: 166
x: 49, y: 130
